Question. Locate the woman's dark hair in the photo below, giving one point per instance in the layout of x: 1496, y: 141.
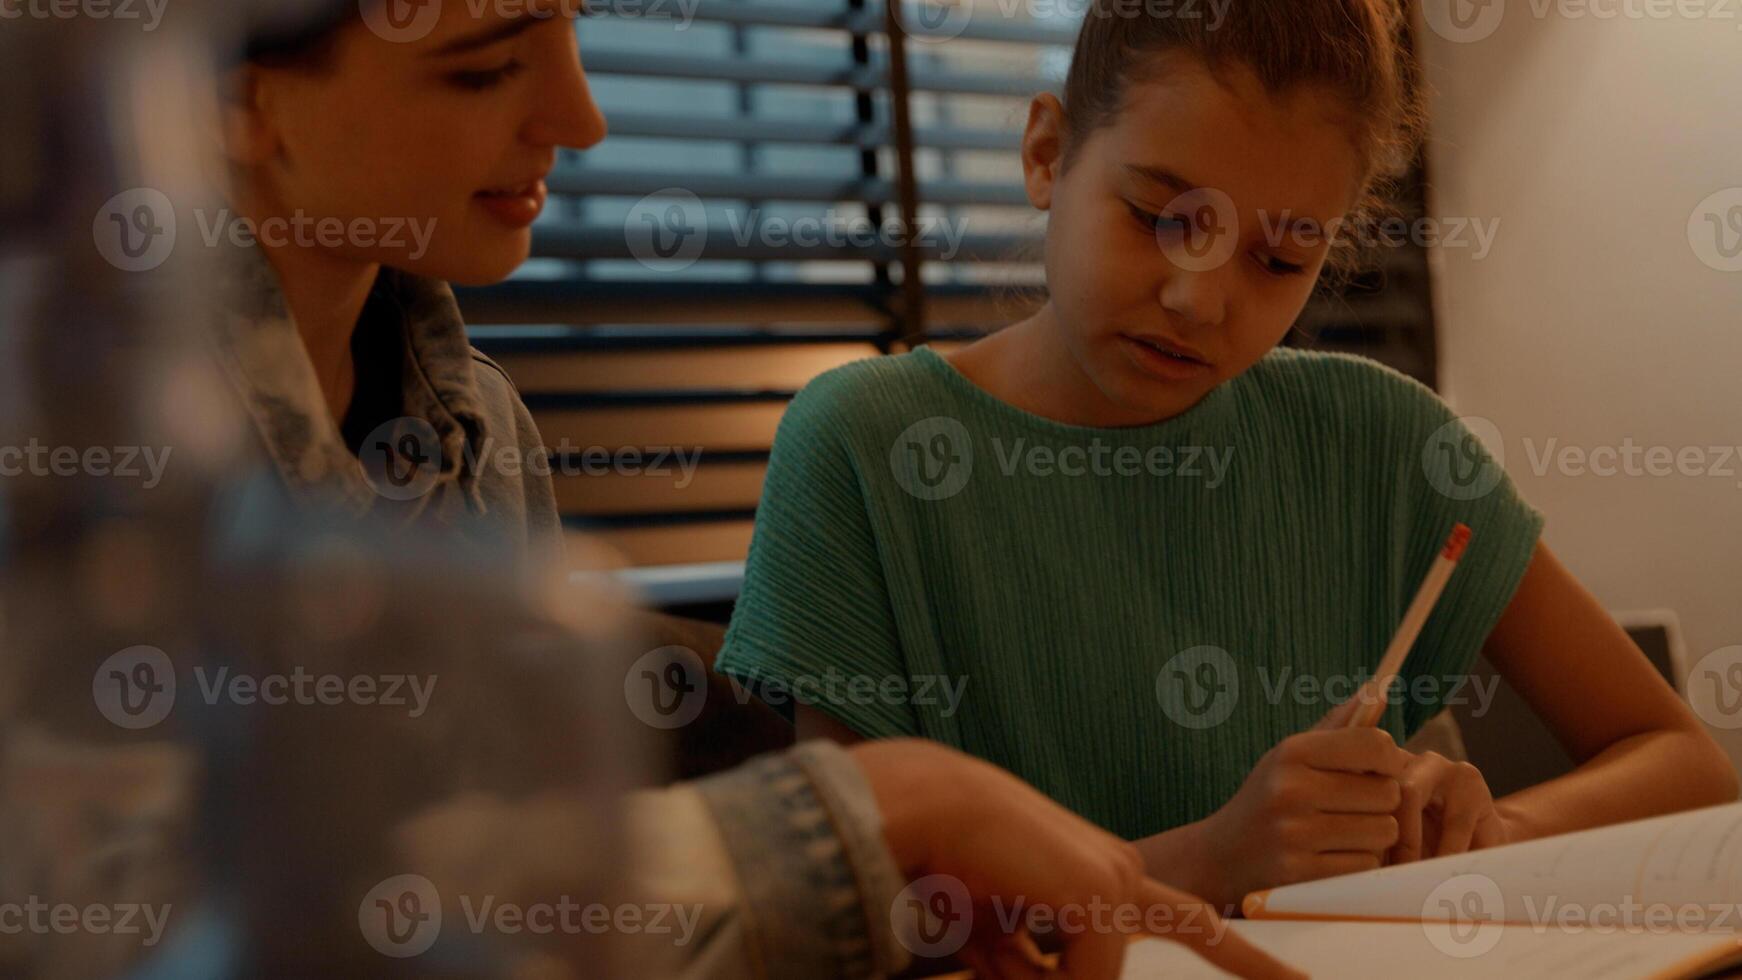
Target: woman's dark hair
x: 303, y: 39
x: 1357, y: 49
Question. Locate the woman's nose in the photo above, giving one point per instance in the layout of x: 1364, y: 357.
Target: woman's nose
x: 565, y: 113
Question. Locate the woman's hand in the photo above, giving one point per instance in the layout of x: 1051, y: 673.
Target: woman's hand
x: 1446, y: 809
x: 1320, y: 803
x: 1008, y: 846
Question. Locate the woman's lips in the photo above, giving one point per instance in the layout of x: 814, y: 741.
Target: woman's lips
x: 518, y: 207
x: 1164, y: 366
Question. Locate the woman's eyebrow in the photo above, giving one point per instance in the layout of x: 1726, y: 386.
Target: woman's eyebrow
x: 490, y: 35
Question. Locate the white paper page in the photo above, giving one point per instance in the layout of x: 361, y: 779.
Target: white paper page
x: 1432, y: 951
x: 1685, y: 867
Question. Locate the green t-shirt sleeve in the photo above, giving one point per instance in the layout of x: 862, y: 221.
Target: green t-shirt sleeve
x: 813, y: 622
x: 1446, y: 475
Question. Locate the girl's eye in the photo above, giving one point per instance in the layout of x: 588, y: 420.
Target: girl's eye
x: 1156, y: 222
x: 481, y: 81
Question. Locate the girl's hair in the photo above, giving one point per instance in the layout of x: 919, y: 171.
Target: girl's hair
x: 1357, y: 49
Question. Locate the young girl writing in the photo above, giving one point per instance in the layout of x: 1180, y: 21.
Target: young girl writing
x: 1150, y: 549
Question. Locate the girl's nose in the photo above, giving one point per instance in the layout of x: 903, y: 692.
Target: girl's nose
x: 1195, y: 297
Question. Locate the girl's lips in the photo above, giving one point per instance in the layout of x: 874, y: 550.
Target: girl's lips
x: 1166, y: 367
x: 516, y: 208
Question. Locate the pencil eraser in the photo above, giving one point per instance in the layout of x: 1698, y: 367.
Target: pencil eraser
x: 1456, y: 544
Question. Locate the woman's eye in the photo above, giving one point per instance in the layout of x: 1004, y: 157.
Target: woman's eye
x: 480, y: 81
x: 1277, y: 267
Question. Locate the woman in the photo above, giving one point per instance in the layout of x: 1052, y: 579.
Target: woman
x: 431, y: 153
x: 352, y: 358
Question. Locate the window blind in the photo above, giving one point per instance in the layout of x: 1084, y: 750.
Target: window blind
x: 788, y: 187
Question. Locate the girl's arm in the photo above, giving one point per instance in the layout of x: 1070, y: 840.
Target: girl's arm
x: 812, y: 723
x: 1640, y: 750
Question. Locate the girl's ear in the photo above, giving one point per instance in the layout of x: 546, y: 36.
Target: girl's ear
x: 1043, y: 149
x: 248, y: 136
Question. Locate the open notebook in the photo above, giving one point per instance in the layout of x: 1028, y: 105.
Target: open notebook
x: 1657, y: 898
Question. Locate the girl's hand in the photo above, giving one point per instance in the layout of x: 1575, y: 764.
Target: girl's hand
x: 1321, y: 803
x: 1446, y: 809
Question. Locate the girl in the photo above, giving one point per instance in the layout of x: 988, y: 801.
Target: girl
x: 1147, y: 548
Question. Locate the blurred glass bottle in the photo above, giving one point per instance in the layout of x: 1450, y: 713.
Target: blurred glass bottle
x: 148, y: 562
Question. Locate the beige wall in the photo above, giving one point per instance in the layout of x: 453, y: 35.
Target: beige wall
x: 1593, y: 319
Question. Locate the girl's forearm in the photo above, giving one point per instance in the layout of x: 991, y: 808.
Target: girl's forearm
x: 1179, y: 857
x: 1640, y: 776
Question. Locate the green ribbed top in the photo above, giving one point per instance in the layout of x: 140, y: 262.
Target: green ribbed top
x: 1132, y: 616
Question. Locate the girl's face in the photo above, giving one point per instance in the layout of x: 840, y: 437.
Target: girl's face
x: 1196, y: 222
x: 450, y: 132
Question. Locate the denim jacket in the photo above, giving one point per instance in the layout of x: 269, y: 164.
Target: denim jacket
x: 784, y: 855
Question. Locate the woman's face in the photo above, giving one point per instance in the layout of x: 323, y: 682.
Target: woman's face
x: 1191, y: 222
x: 449, y: 128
